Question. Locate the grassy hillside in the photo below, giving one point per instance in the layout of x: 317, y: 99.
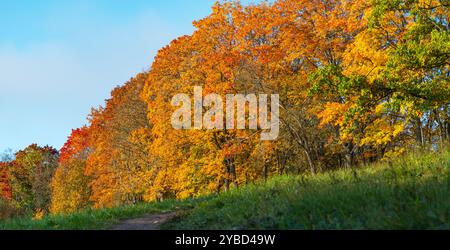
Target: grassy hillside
x: 410, y: 193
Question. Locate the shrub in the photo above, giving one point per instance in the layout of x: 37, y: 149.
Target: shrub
x: 7, y: 210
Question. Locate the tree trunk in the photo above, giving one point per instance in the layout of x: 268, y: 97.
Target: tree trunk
x: 419, y: 132
x: 310, y: 162
x: 348, y: 160
x: 233, y: 175
x: 230, y: 170
x: 447, y: 123
x: 265, y: 172
x: 227, y: 184
x: 349, y: 147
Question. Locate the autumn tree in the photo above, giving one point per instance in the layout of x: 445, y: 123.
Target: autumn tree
x: 5, y: 187
x: 118, y: 162
x: 70, y: 190
x: 30, y: 176
x: 393, y: 80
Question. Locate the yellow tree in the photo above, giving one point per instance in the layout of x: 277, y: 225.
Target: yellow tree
x: 118, y: 164
x: 394, y: 78
x: 70, y: 190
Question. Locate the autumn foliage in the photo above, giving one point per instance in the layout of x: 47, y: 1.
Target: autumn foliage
x: 70, y: 190
x: 359, y: 81
x: 5, y: 187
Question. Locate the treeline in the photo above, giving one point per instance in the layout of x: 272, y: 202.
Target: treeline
x: 359, y: 81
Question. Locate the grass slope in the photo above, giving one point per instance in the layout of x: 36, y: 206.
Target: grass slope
x: 410, y: 193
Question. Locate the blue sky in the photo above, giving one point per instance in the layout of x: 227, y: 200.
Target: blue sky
x: 59, y: 58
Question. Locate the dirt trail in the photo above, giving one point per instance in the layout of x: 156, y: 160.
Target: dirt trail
x: 150, y: 222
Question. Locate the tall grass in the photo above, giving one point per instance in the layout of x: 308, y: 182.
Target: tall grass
x: 410, y: 193
x: 94, y: 218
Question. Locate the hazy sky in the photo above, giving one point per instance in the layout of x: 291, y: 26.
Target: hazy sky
x: 59, y: 58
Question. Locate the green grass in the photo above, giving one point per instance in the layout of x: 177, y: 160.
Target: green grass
x: 95, y: 219
x: 410, y: 193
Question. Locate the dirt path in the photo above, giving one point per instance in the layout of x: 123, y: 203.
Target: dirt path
x: 150, y: 222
